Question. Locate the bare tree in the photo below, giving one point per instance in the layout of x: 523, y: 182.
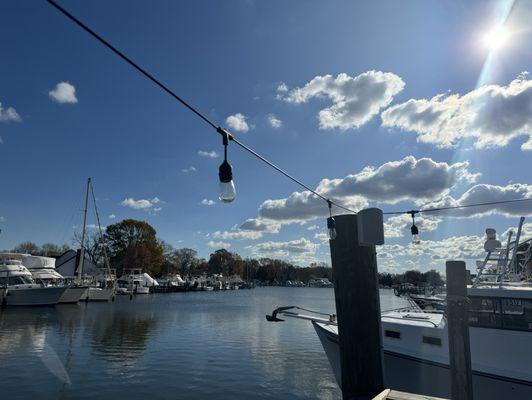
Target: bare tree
x: 93, y: 246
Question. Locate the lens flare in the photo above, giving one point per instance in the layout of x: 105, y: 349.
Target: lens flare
x: 496, y: 38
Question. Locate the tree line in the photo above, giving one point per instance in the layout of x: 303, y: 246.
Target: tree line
x: 134, y: 244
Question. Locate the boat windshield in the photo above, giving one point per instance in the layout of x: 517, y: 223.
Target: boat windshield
x: 16, y: 280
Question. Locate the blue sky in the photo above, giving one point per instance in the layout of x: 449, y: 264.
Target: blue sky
x: 325, y: 89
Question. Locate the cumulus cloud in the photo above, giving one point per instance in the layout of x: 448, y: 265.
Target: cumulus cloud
x: 189, y: 169
x: 283, y: 249
x: 64, y: 92
x: 260, y: 225
x: 9, y: 114
x: 484, y: 193
x: 356, y: 99
x: 491, y: 115
x: 237, y: 235
x: 274, y: 121
x: 142, y: 204
x: 398, y: 225
x: 112, y: 216
x: 208, y: 154
x: 207, y: 202
x: 407, y: 179
x: 238, y: 122
x: 218, y: 245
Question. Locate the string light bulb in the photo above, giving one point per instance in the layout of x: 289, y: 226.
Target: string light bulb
x: 227, y: 187
x: 414, y: 230
x: 331, y: 223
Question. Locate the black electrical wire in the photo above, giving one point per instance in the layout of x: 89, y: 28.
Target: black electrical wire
x: 186, y: 104
x: 490, y: 203
x: 242, y: 145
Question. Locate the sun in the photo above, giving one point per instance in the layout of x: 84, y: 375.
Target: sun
x: 496, y: 38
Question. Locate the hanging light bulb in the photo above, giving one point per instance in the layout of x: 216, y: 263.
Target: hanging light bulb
x: 227, y: 187
x: 331, y: 223
x: 414, y: 230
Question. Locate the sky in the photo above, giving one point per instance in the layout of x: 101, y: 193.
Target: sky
x: 396, y: 105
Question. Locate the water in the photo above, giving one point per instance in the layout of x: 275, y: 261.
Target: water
x: 169, y: 346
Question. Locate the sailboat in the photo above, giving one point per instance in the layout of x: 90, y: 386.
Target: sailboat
x: 99, y: 289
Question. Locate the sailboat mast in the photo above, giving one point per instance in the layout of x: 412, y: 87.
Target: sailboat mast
x: 82, y: 250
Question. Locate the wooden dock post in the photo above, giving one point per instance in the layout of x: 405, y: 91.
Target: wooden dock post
x: 356, y: 294
x: 458, y: 331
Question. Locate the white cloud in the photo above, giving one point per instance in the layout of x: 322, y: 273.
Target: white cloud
x: 312, y: 227
x: 260, y: 225
x: 283, y: 249
x: 274, y: 121
x: 218, y: 245
x: 237, y: 235
x: 9, y: 114
x: 492, y: 115
x: 237, y: 122
x: 208, y: 154
x: 484, y: 193
x: 207, y: 202
x: 282, y: 88
x: 112, y: 216
x: 142, y: 204
x: 526, y: 232
x: 407, y: 179
x: 63, y: 92
x: 355, y: 99
x: 189, y: 169
x: 399, y: 225
x: 322, y: 237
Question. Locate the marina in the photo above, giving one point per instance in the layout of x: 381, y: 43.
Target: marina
x: 294, y: 200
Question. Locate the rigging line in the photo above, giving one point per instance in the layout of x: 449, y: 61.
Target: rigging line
x: 490, y: 203
x: 182, y: 101
x: 102, y: 238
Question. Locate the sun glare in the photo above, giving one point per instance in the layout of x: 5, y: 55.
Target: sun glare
x: 496, y: 38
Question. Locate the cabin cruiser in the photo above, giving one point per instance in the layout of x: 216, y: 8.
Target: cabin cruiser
x: 22, y: 290
x: 137, y: 281
x: 415, y: 343
x: 43, y: 271
x: 320, y: 283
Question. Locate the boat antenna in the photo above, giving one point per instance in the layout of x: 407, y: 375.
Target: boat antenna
x: 82, y: 250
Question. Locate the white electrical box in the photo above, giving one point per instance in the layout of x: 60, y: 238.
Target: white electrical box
x: 370, y: 227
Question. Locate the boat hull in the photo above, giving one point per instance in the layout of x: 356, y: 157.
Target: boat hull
x: 73, y: 294
x: 42, y: 296
x: 417, y: 375
x: 100, y: 294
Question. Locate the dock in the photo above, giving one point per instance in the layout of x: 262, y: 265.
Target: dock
x: 389, y: 394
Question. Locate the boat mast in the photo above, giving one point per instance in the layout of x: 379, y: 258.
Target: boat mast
x: 102, y: 237
x: 82, y: 250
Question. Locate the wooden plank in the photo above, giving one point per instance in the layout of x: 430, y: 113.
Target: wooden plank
x: 358, y: 311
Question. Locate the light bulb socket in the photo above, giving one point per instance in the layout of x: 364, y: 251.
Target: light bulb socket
x: 414, y: 230
x: 331, y: 223
x: 225, y: 172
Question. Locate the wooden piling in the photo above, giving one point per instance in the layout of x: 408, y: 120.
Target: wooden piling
x: 356, y: 294
x: 458, y: 331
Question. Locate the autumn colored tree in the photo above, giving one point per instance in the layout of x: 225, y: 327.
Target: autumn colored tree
x: 134, y: 244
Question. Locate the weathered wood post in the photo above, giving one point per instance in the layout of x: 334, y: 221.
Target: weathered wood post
x: 458, y: 331
x: 356, y: 291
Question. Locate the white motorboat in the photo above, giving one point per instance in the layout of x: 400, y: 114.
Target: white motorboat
x: 43, y: 271
x: 137, y: 281
x: 415, y: 343
x: 22, y: 289
x: 96, y: 293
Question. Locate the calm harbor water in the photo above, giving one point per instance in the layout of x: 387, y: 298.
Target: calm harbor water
x: 169, y: 346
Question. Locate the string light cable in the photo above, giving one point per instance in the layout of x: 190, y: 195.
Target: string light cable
x: 222, y: 131
x: 225, y: 170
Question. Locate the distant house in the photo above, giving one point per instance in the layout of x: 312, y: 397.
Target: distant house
x: 67, y: 263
